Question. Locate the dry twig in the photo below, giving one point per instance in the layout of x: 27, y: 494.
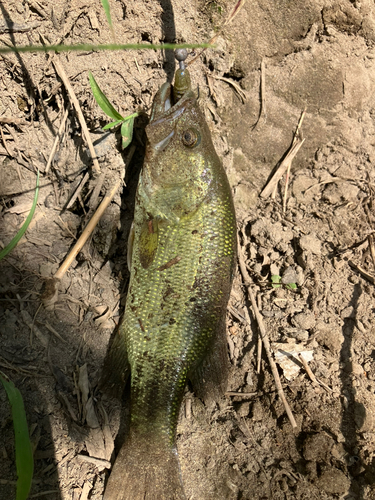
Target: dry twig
x: 236, y: 314
x: 287, y: 161
x: 331, y: 180
x: 38, y: 8
x: 285, y: 197
x: 15, y: 121
x: 361, y: 271
x: 297, y: 137
x: 263, y: 333
x: 61, y: 72
x: 236, y: 87
x: 5, y: 364
x: 78, y: 190
x: 93, y: 203
x: 64, y: 226
x: 262, y: 110
x: 210, y: 88
x: 98, y: 462
x: 57, y: 138
x: 10, y: 153
x: 44, y: 493
x: 138, y: 68
x: 259, y: 346
x: 372, y: 249
x: 309, y: 372
x: 86, y: 233
x: 241, y: 394
x: 259, y: 355
x: 56, y: 334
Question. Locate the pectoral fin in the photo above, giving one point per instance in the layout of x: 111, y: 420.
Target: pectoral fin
x: 148, y: 242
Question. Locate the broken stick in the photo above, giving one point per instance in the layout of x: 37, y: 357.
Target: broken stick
x: 287, y: 161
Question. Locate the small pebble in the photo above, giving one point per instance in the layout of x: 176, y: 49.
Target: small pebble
x: 353, y: 367
x: 243, y: 409
x: 305, y: 320
x: 310, y: 243
x: 318, y: 447
x: 295, y: 333
x: 274, y: 270
x: 257, y: 268
x: 333, y: 482
x: 289, y: 276
x: 348, y: 312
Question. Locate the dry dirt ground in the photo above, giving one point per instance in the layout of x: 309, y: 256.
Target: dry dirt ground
x: 315, y: 54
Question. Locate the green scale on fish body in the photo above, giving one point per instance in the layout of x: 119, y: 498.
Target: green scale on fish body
x: 182, y: 248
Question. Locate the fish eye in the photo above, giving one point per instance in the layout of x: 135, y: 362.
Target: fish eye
x: 191, y: 138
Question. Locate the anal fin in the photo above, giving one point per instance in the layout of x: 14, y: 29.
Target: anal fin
x: 210, y: 377
x: 116, y: 367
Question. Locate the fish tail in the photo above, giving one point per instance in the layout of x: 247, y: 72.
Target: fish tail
x: 145, y: 470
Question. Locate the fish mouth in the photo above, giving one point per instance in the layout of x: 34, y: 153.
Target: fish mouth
x: 164, y: 116
x: 164, y: 105
x: 162, y: 102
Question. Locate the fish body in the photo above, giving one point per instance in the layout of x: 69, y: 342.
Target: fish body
x: 182, y: 259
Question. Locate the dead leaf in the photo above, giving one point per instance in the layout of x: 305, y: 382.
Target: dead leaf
x: 286, y: 355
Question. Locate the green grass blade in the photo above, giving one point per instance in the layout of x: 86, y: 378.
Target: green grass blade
x: 131, y: 117
x: 127, y: 130
x: 25, y: 225
x: 111, y: 46
x: 24, y: 452
x: 112, y: 124
x: 107, y: 11
x: 102, y: 100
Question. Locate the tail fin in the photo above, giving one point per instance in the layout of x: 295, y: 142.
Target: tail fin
x: 145, y: 470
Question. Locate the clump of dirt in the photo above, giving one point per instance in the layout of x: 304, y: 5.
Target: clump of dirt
x: 312, y: 264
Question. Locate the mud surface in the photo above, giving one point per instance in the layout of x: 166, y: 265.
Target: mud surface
x: 312, y: 260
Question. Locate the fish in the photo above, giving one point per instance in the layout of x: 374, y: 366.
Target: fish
x: 182, y: 249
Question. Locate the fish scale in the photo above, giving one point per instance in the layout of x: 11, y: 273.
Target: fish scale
x: 182, y: 262
x: 149, y: 287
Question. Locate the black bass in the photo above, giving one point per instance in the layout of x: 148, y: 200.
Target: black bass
x: 183, y: 246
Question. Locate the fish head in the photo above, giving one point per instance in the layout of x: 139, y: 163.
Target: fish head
x: 180, y: 157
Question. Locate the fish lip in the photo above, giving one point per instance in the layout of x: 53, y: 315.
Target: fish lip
x: 172, y: 113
